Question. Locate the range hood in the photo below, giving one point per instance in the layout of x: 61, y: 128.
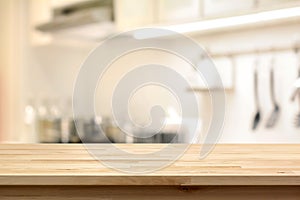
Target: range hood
x: 88, y: 19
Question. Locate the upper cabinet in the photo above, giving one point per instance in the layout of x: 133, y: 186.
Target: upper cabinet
x: 133, y: 13
x: 174, y: 11
x: 137, y: 13
x: 38, y: 12
x: 220, y: 8
x: 277, y: 3
x: 217, y: 8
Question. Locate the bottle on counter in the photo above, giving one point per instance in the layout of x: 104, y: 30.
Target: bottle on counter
x: 49, y: 122
x: 68, y: 129
x: 113, y: 131
x: 30, y: 129
x: 129, y: 138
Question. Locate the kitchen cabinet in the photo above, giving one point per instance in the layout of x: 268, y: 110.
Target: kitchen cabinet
x: 138, y: 13
x: 276, y: 3
x: 134, y: 13
x: 170, y: 11
x: 217, y: 8
x: 130, y: 14
x: 39, y: 12
x: 230, y: 172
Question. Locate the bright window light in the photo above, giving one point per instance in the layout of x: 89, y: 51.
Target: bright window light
x: 260, y: 17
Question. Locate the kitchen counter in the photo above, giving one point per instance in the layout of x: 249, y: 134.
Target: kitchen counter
x: 60, y: 171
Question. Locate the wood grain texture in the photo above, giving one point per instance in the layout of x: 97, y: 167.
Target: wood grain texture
x: 232, y: 165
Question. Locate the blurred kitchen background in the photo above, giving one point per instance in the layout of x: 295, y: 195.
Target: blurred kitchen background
x: 255, y: 45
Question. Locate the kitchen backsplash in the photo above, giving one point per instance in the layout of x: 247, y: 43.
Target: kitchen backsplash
x: 51, y: 71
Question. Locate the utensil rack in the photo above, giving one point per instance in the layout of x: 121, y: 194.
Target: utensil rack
x: 232, y: 54
x: 253, y: 51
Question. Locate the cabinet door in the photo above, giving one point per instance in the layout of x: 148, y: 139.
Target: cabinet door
x: 178, y: 11
x: 133, y: 13
x: 39, y: 12
x: 276, y: 3
x: 215, y: 8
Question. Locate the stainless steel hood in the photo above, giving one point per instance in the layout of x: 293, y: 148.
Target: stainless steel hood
x: 91, y: 19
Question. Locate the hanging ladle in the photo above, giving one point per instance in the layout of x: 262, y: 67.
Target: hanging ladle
x: 296, y: 93
x: 276, y: 110
x: 257, y: 116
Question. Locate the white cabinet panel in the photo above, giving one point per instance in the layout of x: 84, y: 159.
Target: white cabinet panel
x: 134, y: 13
x: 178, y: 10
x: 39, y: 12
x: 226, y: 7
x: 264, y: 3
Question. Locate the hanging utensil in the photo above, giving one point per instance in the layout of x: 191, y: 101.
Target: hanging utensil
x: 297, y: 117
x: 276, y: 110
x: 257, y: 116
x: 296, y: 93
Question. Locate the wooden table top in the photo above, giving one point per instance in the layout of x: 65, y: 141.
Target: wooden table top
x: 60, y: 164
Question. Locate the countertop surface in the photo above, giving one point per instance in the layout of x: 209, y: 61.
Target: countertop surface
x: 230, y: 164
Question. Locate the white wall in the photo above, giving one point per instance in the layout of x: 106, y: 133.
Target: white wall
x: 52, y: 69
x: 240, y: 103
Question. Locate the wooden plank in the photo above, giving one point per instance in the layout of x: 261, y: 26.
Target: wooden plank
x: 60, y: 164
